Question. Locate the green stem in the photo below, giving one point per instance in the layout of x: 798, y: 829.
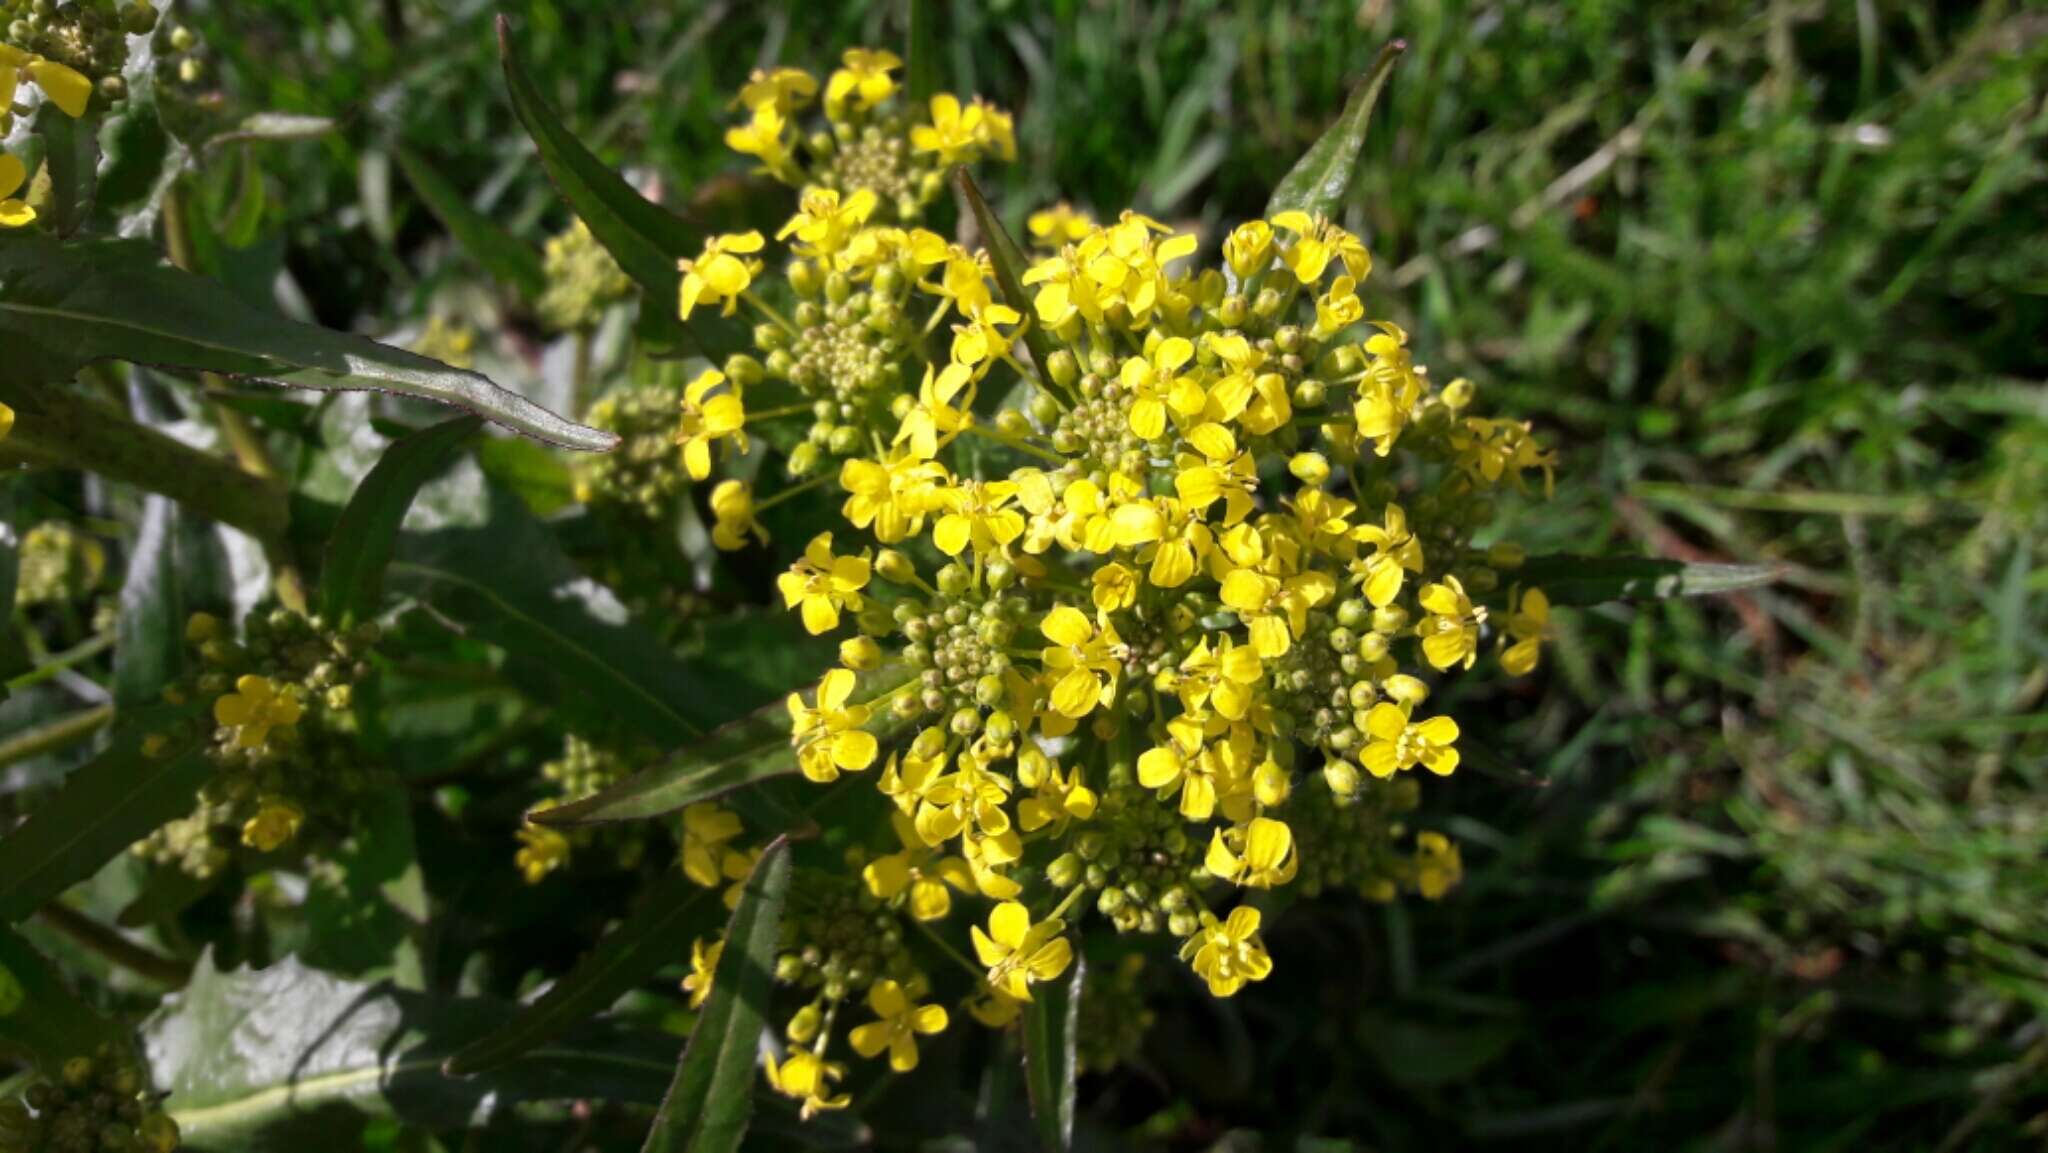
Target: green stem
x: 75, y: 655
x: 785, y: 410
x: 100, y: 939
x: 791, y: 492
x: 1021, y: 445
x: 946, y: 947
x: 769, y: 311
x: 54, y: 735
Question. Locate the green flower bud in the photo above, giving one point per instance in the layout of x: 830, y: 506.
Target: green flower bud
x: 1065, y: 872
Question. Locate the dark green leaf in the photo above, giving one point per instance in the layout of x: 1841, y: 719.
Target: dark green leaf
x: 646, y: 239
x: 538, y: 475
x: 72, y: 152
x: 1051, y: 1021
x: 1585, y: 580
x: 14, y: 658
x: 41, y: 1019
x: 1426, y: 1056
x: 260, y: 1060
x: 377, y: 899
x: 352, y: 583
x: 1010, y: 265
x: 711, y: 1099
x: 654, y: 934
x: 922, y: 57
x: 102, y: 808
x: 1320, y: 179
x: 64, y: 306
x: 509, y: 584
x: 753, y: 749
x: 174, y: 560
x: 497, y: 251
x: 243, y: 221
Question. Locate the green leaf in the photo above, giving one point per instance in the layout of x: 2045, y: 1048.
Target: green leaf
x: 1051, y: 1021
x: 63, y: 306
x: 168, y: 567
x: 509, y: 584
x: 72, y: 152
x: 352, y: 583
x: 1424, y: 1056
x: 656, y: 933
x: 1585, y: 580
x: 1318, y: 182
x: 360, y: 919
x: 753, y: 749
x: 922, y: 57
x: 646, y: 239
x: 273, y: 126
x: 43, y: 1020
x: 711, y: 1099
x: 1009, y: 264
x: 102, y: 808
x: 271, y: 1059
x: 500, y: 254
x: 14, y: 658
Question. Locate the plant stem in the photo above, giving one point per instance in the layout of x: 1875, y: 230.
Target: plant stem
x: 1023, y: 446
x: 792, y: 491
x: 77, y: 654
x: 55, y: 735
x: 110, y: 944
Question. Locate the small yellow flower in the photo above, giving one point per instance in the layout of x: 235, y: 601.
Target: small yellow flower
x: 863, y: 83
x: 703, y: 966
x: 1264, y: 856
x: 720, y: 273
x: 1395, y: 553
x: 1526, y: 626
x: 707, y: 827
x: 935, y: 412
x: 1182, y: 765
x: 979, y: 514
x: 823, y: 225
x: 807, y: 1077
x: 900, y: 1021
x: 14, y: 213
x: 829, y: 737
x: 1083, y: 661
x: 893, y: 495
x: 983, y: 339
x: 1056, y: 798
x: 1224, y: 678
x: 1058, y: 225
x: 69, y: 89
x: 956, y: 134
x: 1393, y: 743
x: 255, y: 708
x: 1019, y: 953
x: 1228, y: 954
x: 764, y: 136
x: 276, y: 822
x: 784, y: 89
x: 708, y: 419
x: 541, y: 851
x: 1438, y: 865
x: 1220, y: 473
x: 1113, y: 588
x: 823, y: 584
x: 1249, y: 248
x: 732, y: 504
x: 1316, y: 243
x: 1450, y: 633
x: 915, y: 871
x: 1153, y: 385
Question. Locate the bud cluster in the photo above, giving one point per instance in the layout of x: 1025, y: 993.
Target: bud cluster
x: 584, y: 769
x: 97, y: 1104
x: 59, y: 565
x: 582, y: 281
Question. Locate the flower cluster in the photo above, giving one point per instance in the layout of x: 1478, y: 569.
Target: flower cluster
x: 640, y: 477
x: 582, y: 280
x: 279, y: 702
x: 584, y: 769
x: 59, y: 565
x: 29, y: 38
x: 1165, y: 623
x: 97, y: 1103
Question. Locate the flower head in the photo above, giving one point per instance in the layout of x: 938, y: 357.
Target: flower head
x: 899, y: 1021
x: 256, y: 708
x: 829, y: 736
x: 1019, y: 953
x: 808, y: 1078
x: 14, y: 212
x: 823, y: 584
x: 720, y: 273
x: 707, y: 419
x: 1228, y: 954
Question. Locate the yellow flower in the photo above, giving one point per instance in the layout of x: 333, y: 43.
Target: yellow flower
x: 982, y: 339
x: 823, y: 225
x: 1152, y: 384
x: 1056, y: 798
x: 763, y: 136
x: 6, y: 421
x: 276, y: 822
x: 703, y: 966
x: 993, y: 1009
x: 1183, y: 765
x: 1393, y: 743
x: 863, y: 83
x: 900, y: 1021
x: 706, y: 829
x: 1084, y: 661
x: 1388, y: 394
x: 1316, y: 243
x: 255, y: 708
x: 783, y: 89
x: 1224, y: 678
x: 956, y: 134
x: 69, y: 89
x: 708, y: 419
x: 1438, y: 865
x: 720, y: 273
x: 978, y: 514
x: 1220, y: 473
x: 1526, y: 624
x: 1228, y: 954
x: 1450, y: 633
x: 807, y: 1077
x: 829, y: 737
x: 541, y: 851
x: 1019, y: 953
x: 1339, y: 308
x: 914, y: 871
x: 1396, y: 553
x: 935, y: 412
x: 1264, y: 856
x: 892, y: 494
x: 14, y: 213
x: 1249, y: 248
x: 1060, y: 224
x: 1113, y: 587
x: 732, y: 503
x: 824, y: 584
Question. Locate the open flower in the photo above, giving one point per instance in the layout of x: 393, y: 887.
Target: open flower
x: 863, y: 83
x: 918, y: 870
x: 1228, y: 954
x: 14, y: 212
x: 1393, y: 743
x: 707, y: 827
x: 1019, y: 953
x: 823, y: 584
x: 1083, y: 661
x: 541, y: 851
x: 1525, y: 627
x: 708, y: 419
x: 808, y: 1078
x: 899, y: 1022
x: 703, y: 965
x: 829, y: 737
x: 732, y: 504
x: 1450, y: 633
x: 256, y: 707
x: 1263, y: 855
x: 276, y: 822
x: 720, y: 273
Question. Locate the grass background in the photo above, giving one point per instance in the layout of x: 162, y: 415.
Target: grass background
x: 1762, y: 873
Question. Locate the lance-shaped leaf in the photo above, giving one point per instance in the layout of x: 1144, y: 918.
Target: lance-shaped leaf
x: 1051, y: 1021
x: 504, y: 256
x: 1319, y: 181
x: 174, y: 570
x: 352, y: 583
x: 753, y: 749
x: 646, y: 239
x: 711, y: 1099
x: 1586, y: 580
x: 272, y: 1059
x: 63, y: 306
x: 657, y: 932
x: 921, y: 75
x: 1010, y: 266
x: 72, y: 154
x: 40, y: 1017
x: 104, y: 807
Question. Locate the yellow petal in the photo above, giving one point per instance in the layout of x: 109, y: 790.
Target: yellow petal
x: 67, y: 88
